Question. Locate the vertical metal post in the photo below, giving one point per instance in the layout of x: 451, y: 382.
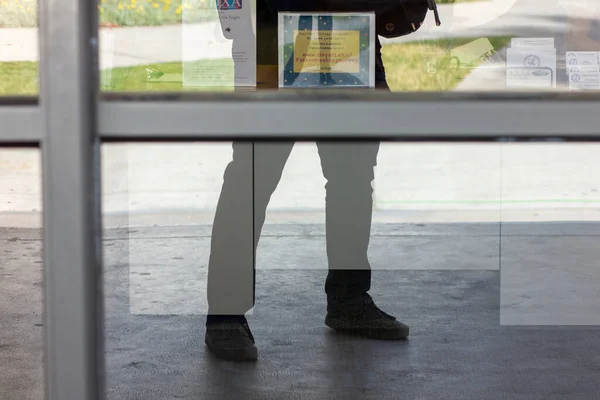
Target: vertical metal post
x: 71, y: 195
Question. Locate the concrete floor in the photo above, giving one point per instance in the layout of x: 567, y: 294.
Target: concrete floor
x: 458, y: 347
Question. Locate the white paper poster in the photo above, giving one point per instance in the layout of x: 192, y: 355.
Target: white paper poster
x: 218, y: 44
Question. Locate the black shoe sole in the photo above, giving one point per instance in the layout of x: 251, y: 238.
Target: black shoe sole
x: 243, y: 354
x: 370, y: 333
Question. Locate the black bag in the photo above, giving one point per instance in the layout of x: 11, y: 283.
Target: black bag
x: 395, y: 19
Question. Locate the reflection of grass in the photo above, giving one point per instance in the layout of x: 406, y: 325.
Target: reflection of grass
x: 406, y: 64
x: 18, y: 13
x: 156, y: 12
x: 167, y: 77
x: 23, y: 13
x: 406, y: 68
x: 18, y: 78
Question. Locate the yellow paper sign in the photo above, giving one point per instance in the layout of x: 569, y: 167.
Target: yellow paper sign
x: 327, y: 51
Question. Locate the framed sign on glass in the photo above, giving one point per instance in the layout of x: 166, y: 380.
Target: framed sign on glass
x: 326, y: 50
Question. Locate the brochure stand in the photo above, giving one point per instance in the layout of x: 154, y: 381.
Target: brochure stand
x: 531, y: 63
x: 583, y: 68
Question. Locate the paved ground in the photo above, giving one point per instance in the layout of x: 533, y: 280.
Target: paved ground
x: 475, y: 309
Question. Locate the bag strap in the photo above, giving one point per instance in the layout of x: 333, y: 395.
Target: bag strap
x: 433, y: 7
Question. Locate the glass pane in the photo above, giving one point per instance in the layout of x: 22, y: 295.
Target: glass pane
x: 159, y: 204
x: 21, y: 292
x: 481, y: 45
x: 416, y: 209
x: 467, y: 244
x: 550, y: 270
x: 19, y: 53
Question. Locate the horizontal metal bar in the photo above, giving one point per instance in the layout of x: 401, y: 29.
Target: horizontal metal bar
x: 18, y: 101
x: 339, y: 119
x: 349, y: 94
x: 20, y: 124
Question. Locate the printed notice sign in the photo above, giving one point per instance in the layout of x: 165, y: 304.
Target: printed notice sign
x: 220, y: 51
x: 329, y: 49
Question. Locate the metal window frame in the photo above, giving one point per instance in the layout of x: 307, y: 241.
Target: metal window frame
x: 335, y: 117
x: 20, y: 123
x: 208, y: 118
x: 65, y: 126
x: 73, y: 298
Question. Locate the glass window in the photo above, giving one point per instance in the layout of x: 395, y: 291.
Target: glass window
x: 481, y: 45
x: 159, y: 206
x: 486, y: 251
x: 21, y: 274
x: 19, y: 53
x: 551, y: 215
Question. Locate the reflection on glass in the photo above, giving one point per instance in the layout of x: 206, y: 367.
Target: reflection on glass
x: 551, y: 208
x: 489, y: 45
x: 438, y: 184
x: 21, y: 295
x: 18, y: 47
x: 472, y: 245
x: 166, y: 45
x: 159, y: 201
x: 161, y: 185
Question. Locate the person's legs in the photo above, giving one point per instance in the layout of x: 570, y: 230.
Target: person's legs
x: 249, y: 182
x: 348, y: 168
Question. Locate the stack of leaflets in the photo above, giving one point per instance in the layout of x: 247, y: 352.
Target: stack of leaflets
x: 583, y: 68
x: 531, y: 63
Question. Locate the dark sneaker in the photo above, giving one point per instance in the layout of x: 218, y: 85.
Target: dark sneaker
x: 231, y: 341
x: 362, y: 317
